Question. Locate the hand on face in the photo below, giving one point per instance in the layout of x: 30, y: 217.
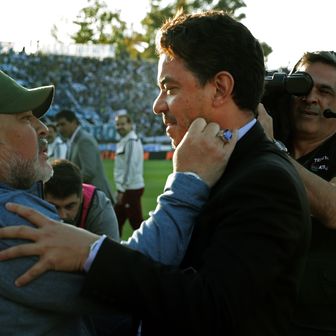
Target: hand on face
x: 203, y: 152
x: 61, y: 247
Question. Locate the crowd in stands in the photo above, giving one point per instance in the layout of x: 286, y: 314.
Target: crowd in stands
x: 96, y: 89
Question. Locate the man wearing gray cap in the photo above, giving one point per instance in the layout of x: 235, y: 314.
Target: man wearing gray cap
x: 52, y: 305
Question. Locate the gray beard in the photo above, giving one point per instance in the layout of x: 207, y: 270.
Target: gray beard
x: 20, y: 173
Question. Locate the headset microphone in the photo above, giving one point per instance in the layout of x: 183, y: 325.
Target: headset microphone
x: 329, y: 113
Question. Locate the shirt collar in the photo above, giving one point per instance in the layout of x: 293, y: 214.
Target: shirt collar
x: 70, y: 141
x: 243, y: 130
x: 36, y: 189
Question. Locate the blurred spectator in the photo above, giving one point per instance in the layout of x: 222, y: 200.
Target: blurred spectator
x: 83, y: 151
x: 95, y: 88
x: 78, y: 203
x: 56, y: 146
x: 128, y: 174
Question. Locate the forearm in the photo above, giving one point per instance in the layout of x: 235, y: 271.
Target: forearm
x: 271, y: 236
x: 321, y: 195
x: 165, y: 235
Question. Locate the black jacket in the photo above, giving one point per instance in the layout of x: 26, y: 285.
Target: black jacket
x: 241, y: 272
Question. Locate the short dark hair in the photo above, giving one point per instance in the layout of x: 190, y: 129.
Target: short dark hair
x: 65, y: 181
x: 322, y: 56
x: 67, y: 115
x: 126, y: 116
x: 211, y: 42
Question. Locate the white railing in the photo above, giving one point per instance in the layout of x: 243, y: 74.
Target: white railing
x: 83, y: 50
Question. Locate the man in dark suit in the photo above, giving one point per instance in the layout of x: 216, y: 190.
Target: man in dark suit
x: 240, y: 275
x: 83, y: 151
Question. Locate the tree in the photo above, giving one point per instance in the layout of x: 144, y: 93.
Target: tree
x: 266, y: 49
x: 98, y: 25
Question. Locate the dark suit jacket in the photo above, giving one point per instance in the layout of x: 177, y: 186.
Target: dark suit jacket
x: 241, y: 272
x: 84, y: 152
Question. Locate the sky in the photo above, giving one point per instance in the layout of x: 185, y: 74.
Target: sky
x: 290, y: 27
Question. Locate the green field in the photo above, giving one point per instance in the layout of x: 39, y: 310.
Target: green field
x: 155, y: 173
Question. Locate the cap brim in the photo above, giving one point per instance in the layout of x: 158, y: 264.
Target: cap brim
x: 17, y: 99
x: 40, y: 99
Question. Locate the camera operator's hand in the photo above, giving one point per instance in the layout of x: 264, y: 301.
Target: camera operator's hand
x: 265, y: 120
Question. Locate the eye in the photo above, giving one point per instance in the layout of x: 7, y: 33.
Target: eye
x: 169, y: 90
x: 70, y: 206
x: 326, y: 92
x: 27, y: 117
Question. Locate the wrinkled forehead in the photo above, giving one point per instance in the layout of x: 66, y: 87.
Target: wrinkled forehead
x: 62, y: 122
x: 64, y: 201
x: 122, y: 121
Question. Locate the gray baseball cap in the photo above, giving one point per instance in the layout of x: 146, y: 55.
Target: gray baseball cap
x: 14, y: 98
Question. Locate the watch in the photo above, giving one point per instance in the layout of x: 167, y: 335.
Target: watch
x: 281, y: 146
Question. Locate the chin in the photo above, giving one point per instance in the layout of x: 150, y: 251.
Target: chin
x: 45, y: 171
x: 174, y: 143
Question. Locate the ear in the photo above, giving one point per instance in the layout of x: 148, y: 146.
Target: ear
x: 224, y: 84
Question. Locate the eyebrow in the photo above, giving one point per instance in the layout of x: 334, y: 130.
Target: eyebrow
x: 166, y: 80
x: 326, y: 86
x: 163, y: 81
x: 25, y: 113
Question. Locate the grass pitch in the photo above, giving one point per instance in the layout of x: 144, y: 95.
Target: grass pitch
x: 155, y: 174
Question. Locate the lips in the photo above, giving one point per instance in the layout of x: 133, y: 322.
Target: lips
x: 309, y: 112
x: 167, y: 121
x: 43, y: 145
x: 169, y: 127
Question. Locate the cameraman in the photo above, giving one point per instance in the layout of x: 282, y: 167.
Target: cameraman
x: 311, y: 142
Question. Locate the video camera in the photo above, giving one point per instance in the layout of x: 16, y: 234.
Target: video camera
x: 278, y: 92
x: 279, y: 88
x: 298, y: 84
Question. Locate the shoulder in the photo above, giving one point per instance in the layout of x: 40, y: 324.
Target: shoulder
x: 132, y: 136
x: 265, y: 171
x: 59, y: 141
x: 273, y: 164
x: 99, y: 199
x: 101, y: 209
x: 27, y: 199
x: 86, y: 139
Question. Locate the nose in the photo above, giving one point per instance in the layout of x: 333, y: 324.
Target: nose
x: 62, y: 213
x: 312, y: 97
x: 160, y: 105
x: 40, y: 127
